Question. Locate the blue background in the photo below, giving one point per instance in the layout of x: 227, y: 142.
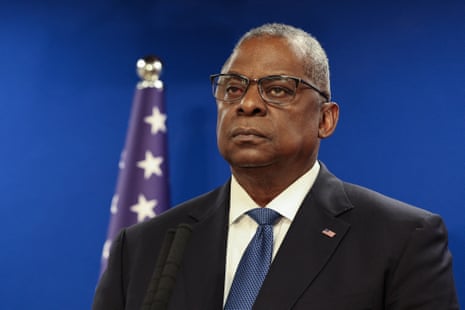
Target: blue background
x: 67, y: 78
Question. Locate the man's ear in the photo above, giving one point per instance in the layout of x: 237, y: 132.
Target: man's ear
x: 329, y: 115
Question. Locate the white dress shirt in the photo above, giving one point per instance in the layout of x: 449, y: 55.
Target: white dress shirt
x: 242, y: 227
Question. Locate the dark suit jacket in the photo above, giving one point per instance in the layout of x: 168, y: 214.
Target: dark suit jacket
x: 384, y: 255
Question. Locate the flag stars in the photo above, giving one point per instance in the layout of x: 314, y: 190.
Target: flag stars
x: 151, y: 165
x: 144, y: 208
x: 114, y: 204
x: 106, y: 249
x: 121, y: 163
x: 156, y: 121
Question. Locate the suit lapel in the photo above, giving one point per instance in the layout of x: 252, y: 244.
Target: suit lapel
x: 314, y: 235
x: 202, y: 276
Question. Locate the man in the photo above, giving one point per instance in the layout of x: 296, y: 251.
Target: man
x: 336, y: 245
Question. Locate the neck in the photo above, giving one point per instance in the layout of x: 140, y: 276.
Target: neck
x: 264, y: 184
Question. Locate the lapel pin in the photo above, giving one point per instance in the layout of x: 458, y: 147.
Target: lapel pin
x: 328, y: 233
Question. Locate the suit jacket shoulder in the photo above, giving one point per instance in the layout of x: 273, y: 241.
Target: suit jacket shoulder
x: 352, y: 248
x: 189, y: 212
x: 135, y: 251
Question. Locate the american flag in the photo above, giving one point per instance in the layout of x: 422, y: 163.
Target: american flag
x: 328, y: 232
x: 142, y: 189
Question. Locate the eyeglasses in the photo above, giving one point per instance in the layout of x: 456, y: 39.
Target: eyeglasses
x: 274, y: 89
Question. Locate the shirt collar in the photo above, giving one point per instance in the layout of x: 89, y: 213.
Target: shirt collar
x: 286, y: 203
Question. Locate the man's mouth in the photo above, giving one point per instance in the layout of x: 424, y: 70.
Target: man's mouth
x: 247, y: 132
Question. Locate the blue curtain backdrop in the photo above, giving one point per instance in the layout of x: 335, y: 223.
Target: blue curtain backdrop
x: 67, y: 82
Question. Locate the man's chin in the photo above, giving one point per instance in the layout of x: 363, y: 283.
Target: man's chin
x: 250, y: 159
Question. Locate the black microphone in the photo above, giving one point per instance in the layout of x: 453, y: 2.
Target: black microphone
x: 161, y: 260
x: 162, y: 285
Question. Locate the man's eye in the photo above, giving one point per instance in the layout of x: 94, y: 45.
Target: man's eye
x: 279, y: 91
x: 234, y: 90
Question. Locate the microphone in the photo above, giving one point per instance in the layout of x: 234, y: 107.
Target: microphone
x: 166, y: 269
x: 153, y: 286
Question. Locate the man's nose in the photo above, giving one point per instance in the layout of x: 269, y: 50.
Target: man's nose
x: 252, y: 103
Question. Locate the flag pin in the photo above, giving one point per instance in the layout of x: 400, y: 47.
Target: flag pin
x: 328, y: 232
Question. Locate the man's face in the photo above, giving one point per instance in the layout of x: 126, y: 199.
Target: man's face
x: 251, y: 133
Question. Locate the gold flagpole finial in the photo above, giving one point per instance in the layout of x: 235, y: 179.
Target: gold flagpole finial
x: 149, y: 69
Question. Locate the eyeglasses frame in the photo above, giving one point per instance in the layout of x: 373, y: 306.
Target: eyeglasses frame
x: 258, y: 80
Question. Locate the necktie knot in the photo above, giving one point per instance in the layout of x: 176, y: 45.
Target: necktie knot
x: 264, y: 216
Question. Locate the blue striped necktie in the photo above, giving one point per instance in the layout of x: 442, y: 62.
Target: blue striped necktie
x: 254, y: 263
